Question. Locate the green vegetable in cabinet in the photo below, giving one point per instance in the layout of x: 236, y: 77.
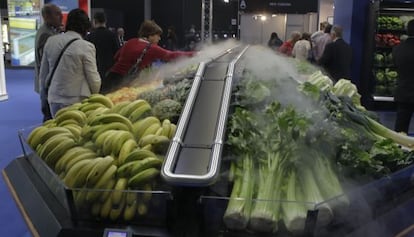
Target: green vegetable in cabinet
x: 380, y: 76
x: 379, y: 59
x: 391, y: 74
x: 388, y: 59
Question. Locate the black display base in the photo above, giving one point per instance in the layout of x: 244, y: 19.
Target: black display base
x: 45, y: 216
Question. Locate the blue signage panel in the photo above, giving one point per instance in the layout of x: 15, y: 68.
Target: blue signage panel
x: 65, y: 5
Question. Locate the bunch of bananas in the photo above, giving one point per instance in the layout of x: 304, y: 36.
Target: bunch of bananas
x: 110, y: 155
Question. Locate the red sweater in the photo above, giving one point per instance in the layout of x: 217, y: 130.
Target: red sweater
x: 286, y: 48
x: 132, y: 49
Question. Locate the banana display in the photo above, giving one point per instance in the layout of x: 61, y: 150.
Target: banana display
x: 110, y: 155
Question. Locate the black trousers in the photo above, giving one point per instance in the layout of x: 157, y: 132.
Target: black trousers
x: 404, y: 112
x: 111, y: 82
x: 45, y: 106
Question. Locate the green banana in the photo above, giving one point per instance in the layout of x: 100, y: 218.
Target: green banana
x: 105, y: 178
x: 152, y: 139
x: 76, y: 175
x: 116, y: 211
x: 96, y: 209
x: 90, y: 106
x: 52, y: 142
x: 102, y: 99
x: 68, y: 121
x: 106, y: 208
x: 166, y: 127
x: 149, y: 162
x: 139, y: 112
x: 76, y: 159
x: 131, y: 197
x: 152, y: 129
x: 70, y: 177
x: 68, y: 108
x: 119, y: 191
x: 43, y: 136
x: 142, y: 208
x: 130, y: 211
x: 143, y: 177
x: 75, y: 129
x: 172, y: 131
x: 34, y: 134
x: 79, y: 198
x: 98, y: 129
x: 77, y: 115
x: 70, y: 154
x: 120, y: 141
x: 139, y: 154
x: 117, y: 107
x: 54, y: 155
x: 107, y: 194
x: 140, y: 126
x: 124, y: 171
x: 110, y: 118
x: 101, y: 166
x: 128, y: 146
x: 99, y: 141
x: 131, y: 107
x: 93, y: 113
x: 50, y: 123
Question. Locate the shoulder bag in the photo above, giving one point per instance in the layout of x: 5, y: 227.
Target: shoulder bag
x: 134, y: 70
x: 49, y: 81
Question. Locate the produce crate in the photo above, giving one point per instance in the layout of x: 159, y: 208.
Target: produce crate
x: 151, y: 206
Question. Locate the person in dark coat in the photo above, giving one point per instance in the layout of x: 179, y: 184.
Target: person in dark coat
x: 52, y: 17
x: 106, y: 44
x: 274, y: 42
x: 403, y: 56
x: 337, y: 56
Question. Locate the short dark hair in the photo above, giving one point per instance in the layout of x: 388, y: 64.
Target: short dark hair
x: 78, y: 21
x: 337, y: 30
x: 148, y: 28
x: 99, y: 17
x: 410, y: 28
x: 328, y: 28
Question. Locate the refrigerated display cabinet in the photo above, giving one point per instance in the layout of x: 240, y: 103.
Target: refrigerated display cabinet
x: 192, y: 197
x: 386, y: 28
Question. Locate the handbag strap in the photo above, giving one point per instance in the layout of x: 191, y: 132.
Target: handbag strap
x: 58, y: 60
x: 139, y: 59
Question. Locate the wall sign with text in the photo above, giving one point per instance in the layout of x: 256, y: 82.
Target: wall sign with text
x: 279, y: 6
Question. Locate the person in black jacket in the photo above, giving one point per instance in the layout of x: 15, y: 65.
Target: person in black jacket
x: 106, y: 44
x: 337, y: 56
x: 403, y: 56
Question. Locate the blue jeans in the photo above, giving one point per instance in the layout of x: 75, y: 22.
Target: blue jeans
x: 55, y: 107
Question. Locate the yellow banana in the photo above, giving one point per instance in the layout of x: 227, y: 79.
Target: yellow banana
x: 99, y: 141
x: 131, y: 197
x: 50, y: 132
x: 101, y: 166
x: 90, y: 106
x: 116, y: 211
x: 124, y: 171
x: 142, y: 208
x: 96, y: 209
x: 79, y: 198
x: 152, y: 139
x: 98, y: 129
x: 50, y: 123
x: 75, y: 129
x: 126, y: 148
x: 107, y: 190
x: 91, y: 114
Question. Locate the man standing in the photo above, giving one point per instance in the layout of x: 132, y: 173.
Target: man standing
x: 106, y: 45
x: 52, y: 21
x: 337, y: 56
x: 403, y: 56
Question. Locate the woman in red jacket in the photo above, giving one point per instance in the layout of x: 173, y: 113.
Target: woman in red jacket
x: 148, y: 37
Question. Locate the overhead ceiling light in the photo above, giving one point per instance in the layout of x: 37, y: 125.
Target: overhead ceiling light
x: 226, y: 1
x: 263, y: 17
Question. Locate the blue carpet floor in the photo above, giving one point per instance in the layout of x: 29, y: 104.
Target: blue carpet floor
x: 21, y: 110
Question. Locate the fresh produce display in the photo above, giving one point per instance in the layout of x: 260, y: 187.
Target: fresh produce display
x: 290, y: 146
x: 383, y: 59
x: 387, y: 40
x: 390, y: 23
x: 385, y: 82
x: 96, y: 145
